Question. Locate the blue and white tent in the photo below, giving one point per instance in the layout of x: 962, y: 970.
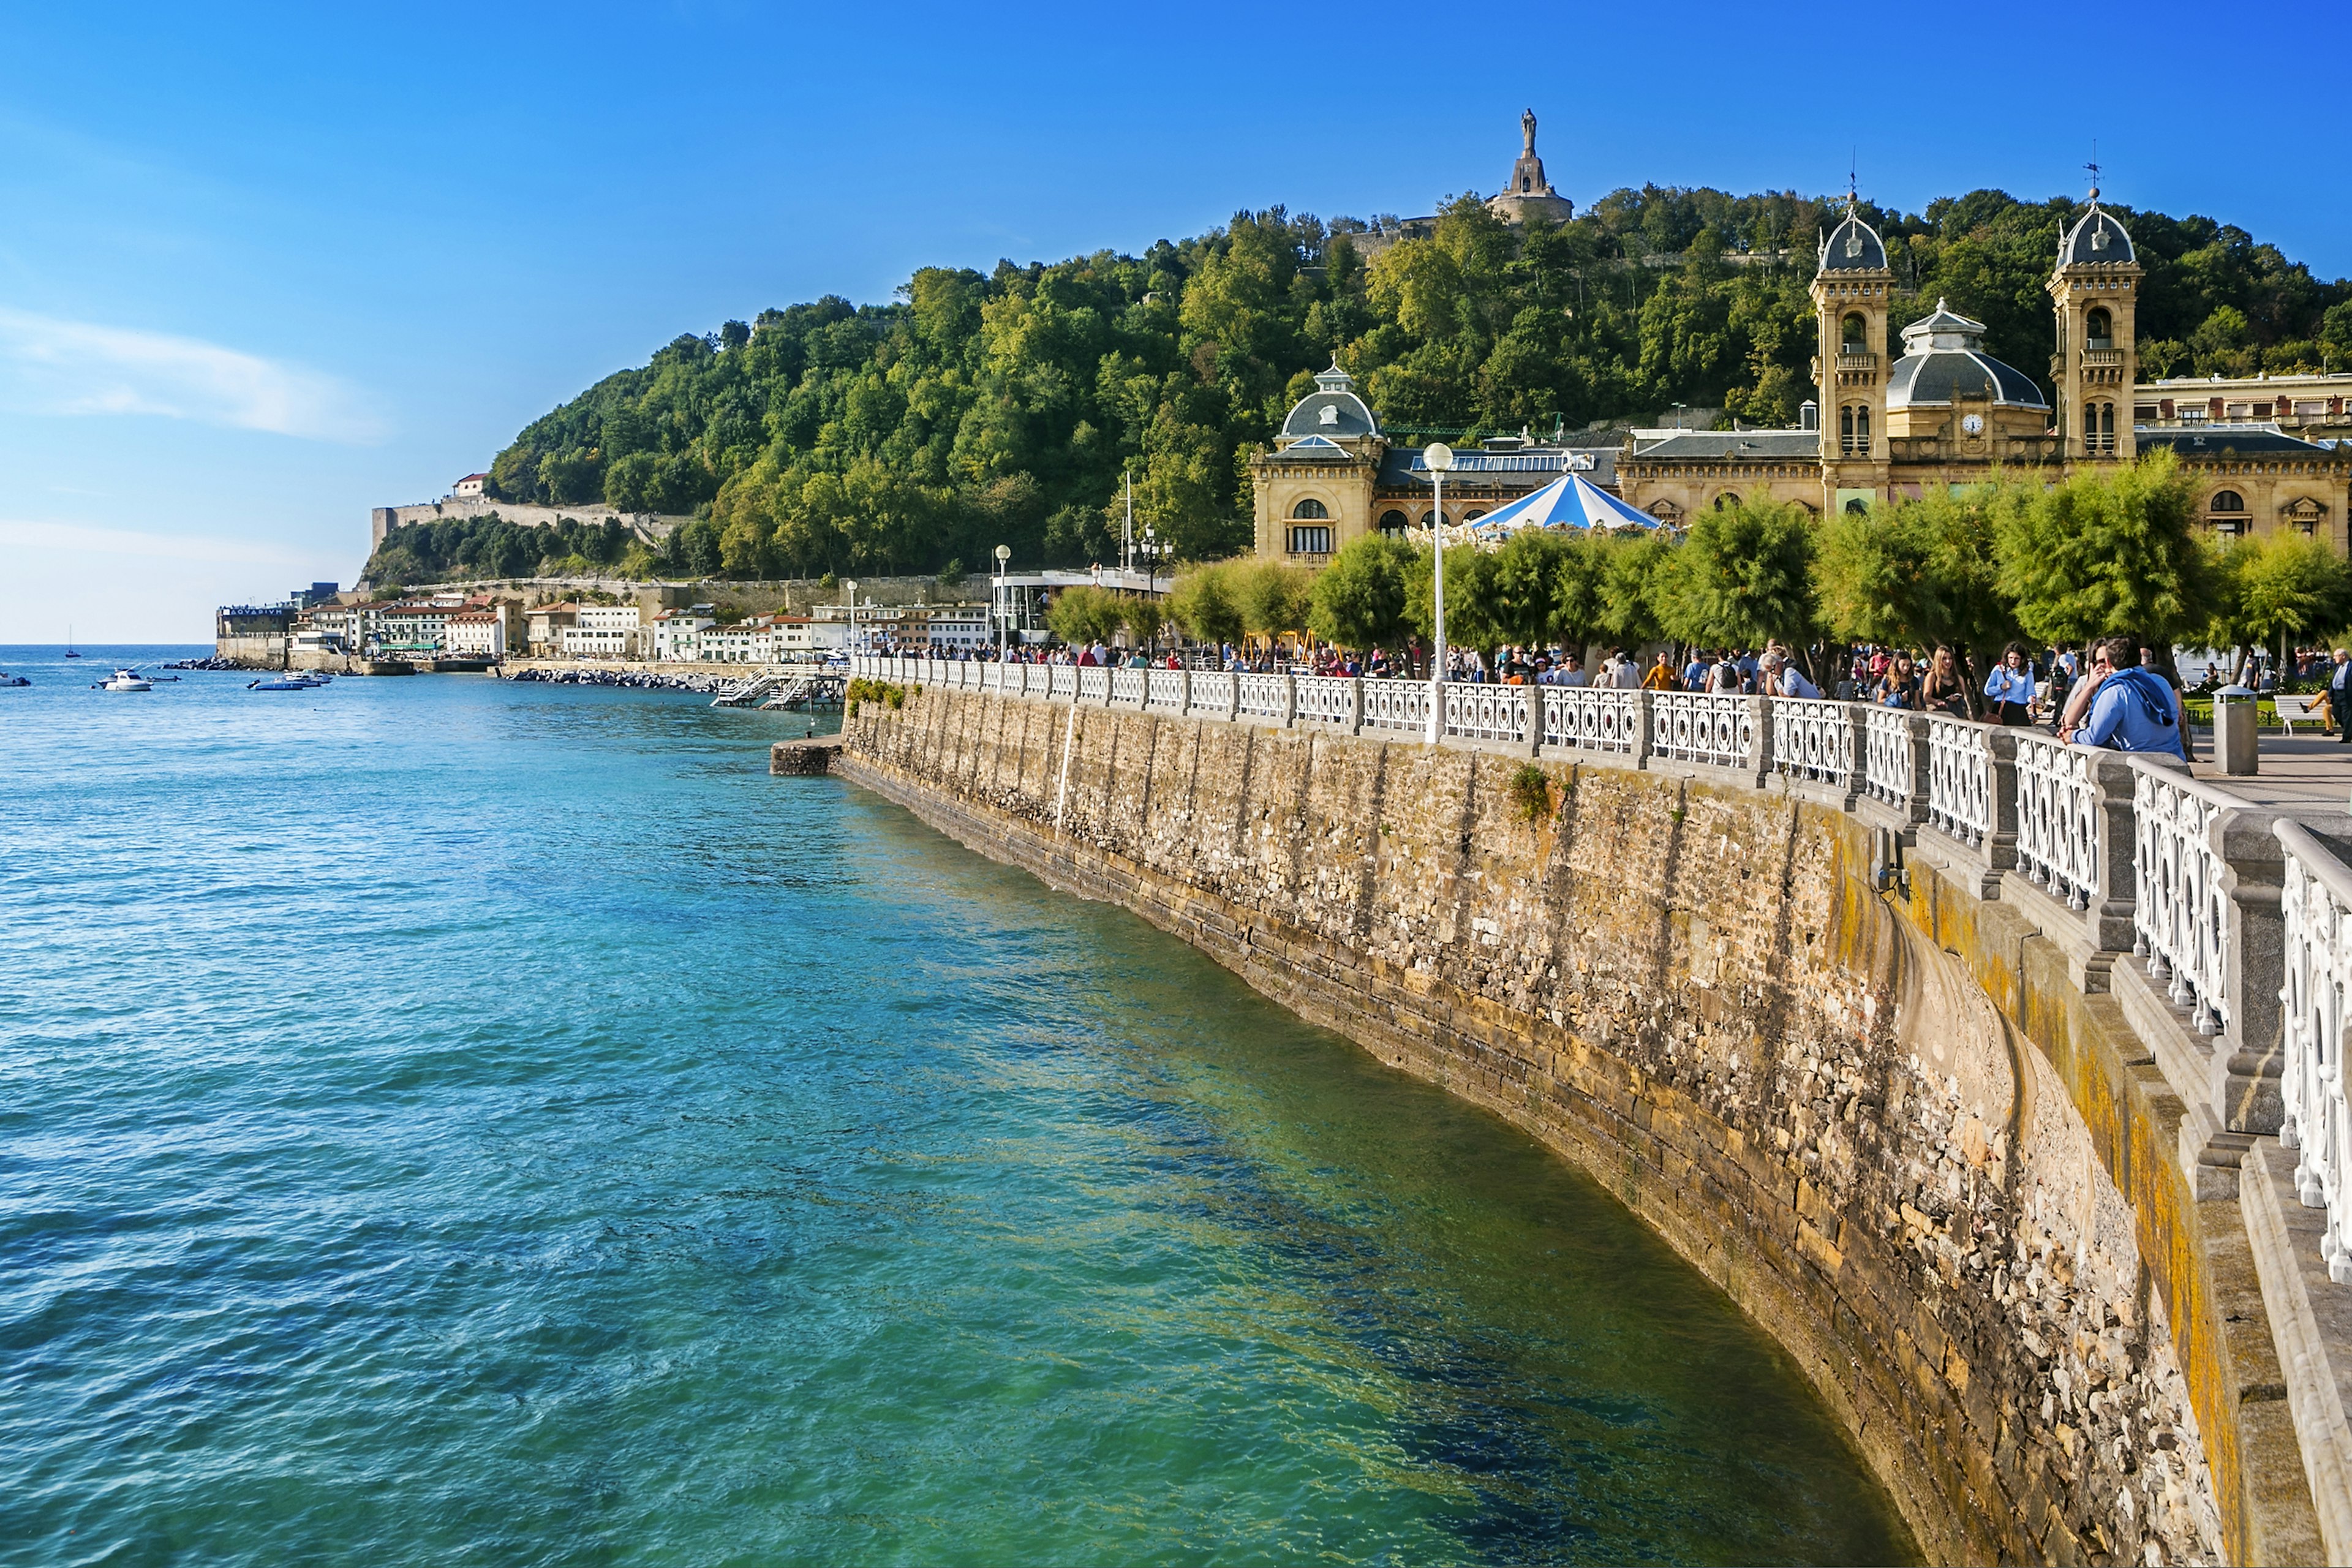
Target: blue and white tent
x: 1570, y: 500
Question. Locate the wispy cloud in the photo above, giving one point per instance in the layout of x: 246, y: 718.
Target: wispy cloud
x: 81, y: 540
x: 52, y: 367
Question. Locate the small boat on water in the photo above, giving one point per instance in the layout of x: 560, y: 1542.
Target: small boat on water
x: 281, y: 683
x: 69, y: 647
x: 6, y: 679
x: 127, y: 680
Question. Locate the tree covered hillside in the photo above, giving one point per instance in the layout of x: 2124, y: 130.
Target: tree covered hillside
x: 977, y: 410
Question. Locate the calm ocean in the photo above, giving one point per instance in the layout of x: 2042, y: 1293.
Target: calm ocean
x: 448, y: 1121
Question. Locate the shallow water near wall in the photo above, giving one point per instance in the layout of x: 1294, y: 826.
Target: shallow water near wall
x: 445, y: 1120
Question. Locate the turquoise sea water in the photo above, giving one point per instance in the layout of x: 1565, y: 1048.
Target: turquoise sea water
x: 448, y: 1121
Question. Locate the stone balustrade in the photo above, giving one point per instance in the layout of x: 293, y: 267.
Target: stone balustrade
x: 2316, y: 907
x: 2155, y: 864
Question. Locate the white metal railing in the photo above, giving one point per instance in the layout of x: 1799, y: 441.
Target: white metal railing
x: 1959, y: 778
x: 2180, y: 909
x: 1591, y: 719
x: 2317, y: 903
x: 1401, y: 705
x: 1127, y: 685
x: 1329, y: 700
x: 1814, y: 739
x: 1062, y: 681
x: 1212, y: 691
x: 1164, y: 689
x: 1718, y: 729
x: 1483, y: 712
x: 1094, y: 683
x: 1890, y: 764
x: 2058, y: 819
x: 1265, y: 696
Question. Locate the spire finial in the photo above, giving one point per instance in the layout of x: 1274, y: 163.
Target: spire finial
x: 1853, y: 179
x: 2094, y: 167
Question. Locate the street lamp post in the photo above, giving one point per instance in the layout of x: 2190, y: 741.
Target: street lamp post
x: 1003, y: 610
x: 850, y: 593
x: 1437, y: 458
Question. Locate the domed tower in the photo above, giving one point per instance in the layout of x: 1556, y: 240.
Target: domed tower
x: 2095, y: 289
x: 1313, y: 492
x: 1529, y: 194
x: 1849, y: 301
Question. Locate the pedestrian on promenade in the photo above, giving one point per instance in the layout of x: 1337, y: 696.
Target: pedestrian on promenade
x: 2010, y: 688
x: 2340, y: 696
x: 2136, y: 709
x: 1783, y: 678
x: 1661, y: 677
x: 1941, y: 689
x: 2080, y: 695
x: 1893, y: 687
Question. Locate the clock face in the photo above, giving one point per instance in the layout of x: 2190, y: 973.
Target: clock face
x: 1973, y: 425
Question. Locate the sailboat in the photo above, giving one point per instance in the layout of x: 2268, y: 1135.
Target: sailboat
x: 69, y: 647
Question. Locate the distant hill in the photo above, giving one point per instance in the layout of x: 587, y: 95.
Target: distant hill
x: 977, y: 410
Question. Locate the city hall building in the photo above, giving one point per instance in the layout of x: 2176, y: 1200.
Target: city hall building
x: 1884, y: 426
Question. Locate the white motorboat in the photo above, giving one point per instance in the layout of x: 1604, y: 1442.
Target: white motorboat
x: 127, y: 680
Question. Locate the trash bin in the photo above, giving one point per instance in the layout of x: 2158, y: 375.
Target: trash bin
x: 2236, y: 741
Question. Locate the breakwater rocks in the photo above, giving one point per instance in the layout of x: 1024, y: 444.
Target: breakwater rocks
x: 636, y: 679
x: 1892, y: 1126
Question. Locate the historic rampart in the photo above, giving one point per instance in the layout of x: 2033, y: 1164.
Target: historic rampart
x: 1843, y: 1004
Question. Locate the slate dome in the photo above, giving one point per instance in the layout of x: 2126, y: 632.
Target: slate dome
x: 1944, y: 358
x: 1852, y: 246
x: 2096, y: 237
x: 1332, y: 410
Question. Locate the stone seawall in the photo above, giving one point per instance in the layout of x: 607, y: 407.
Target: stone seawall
x: 1890, y: 1126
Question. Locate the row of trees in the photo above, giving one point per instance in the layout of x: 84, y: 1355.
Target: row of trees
x: 2014, y: 559
x: 979, y: 410
x: 481, y: 547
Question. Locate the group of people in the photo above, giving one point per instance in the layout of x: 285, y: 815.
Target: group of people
x: 2114, y: 693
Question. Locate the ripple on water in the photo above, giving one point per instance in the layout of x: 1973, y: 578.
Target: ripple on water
x: 446, y: 1121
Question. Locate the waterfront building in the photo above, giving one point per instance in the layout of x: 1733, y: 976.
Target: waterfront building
x: 413, y: 627
x: 751, y: 641
x: 545, y: 625
x: 676, y: 633
x: 475, y: 633
x: 956, y: 628
x: 601, y: 631
x: 802, y: 636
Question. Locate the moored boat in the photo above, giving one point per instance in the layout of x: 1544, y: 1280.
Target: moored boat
x: 126, y: 680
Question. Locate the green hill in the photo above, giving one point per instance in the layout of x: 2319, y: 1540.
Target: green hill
x: 977, y: 410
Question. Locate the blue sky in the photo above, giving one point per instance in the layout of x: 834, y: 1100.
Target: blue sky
x: 263, y: 268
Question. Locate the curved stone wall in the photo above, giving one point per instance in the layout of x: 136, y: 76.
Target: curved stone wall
x: 1843, y: 1104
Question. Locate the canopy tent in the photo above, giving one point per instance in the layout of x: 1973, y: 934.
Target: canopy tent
x: 1570, y: 500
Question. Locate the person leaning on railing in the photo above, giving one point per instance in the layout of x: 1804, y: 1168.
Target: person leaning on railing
x: 2130, y: 708
x: 2010, y: 688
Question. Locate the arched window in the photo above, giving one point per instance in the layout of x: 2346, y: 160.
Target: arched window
x: 1854, y: 428
x: 1474, y: 514
x: 1526, y: 182
x: 1429, y: 520
x: 2227, y: 501
x: 1845, y: 428
x: 1310, y: 508
x: 1862, y: 427
x: 2099, y: 428
x: 1852, y: 333
x: 1393, y: 522
x: 2098, y: 330
x: 1725, y: 502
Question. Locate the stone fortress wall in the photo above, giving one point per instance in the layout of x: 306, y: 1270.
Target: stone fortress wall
x: 1910, y: 1131
x: 648, y: 526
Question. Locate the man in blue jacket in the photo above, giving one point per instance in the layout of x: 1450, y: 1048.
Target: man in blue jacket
x: 2340, y: 696
x: 2135, y: 709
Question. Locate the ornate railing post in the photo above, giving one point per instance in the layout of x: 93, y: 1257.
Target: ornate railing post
x: 2108, y: 918
x: 1644, y: 718
x: 1355, y: 705
x: 1289, y: 700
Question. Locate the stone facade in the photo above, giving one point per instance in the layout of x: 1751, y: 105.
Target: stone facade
x: 1894, y: 1128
